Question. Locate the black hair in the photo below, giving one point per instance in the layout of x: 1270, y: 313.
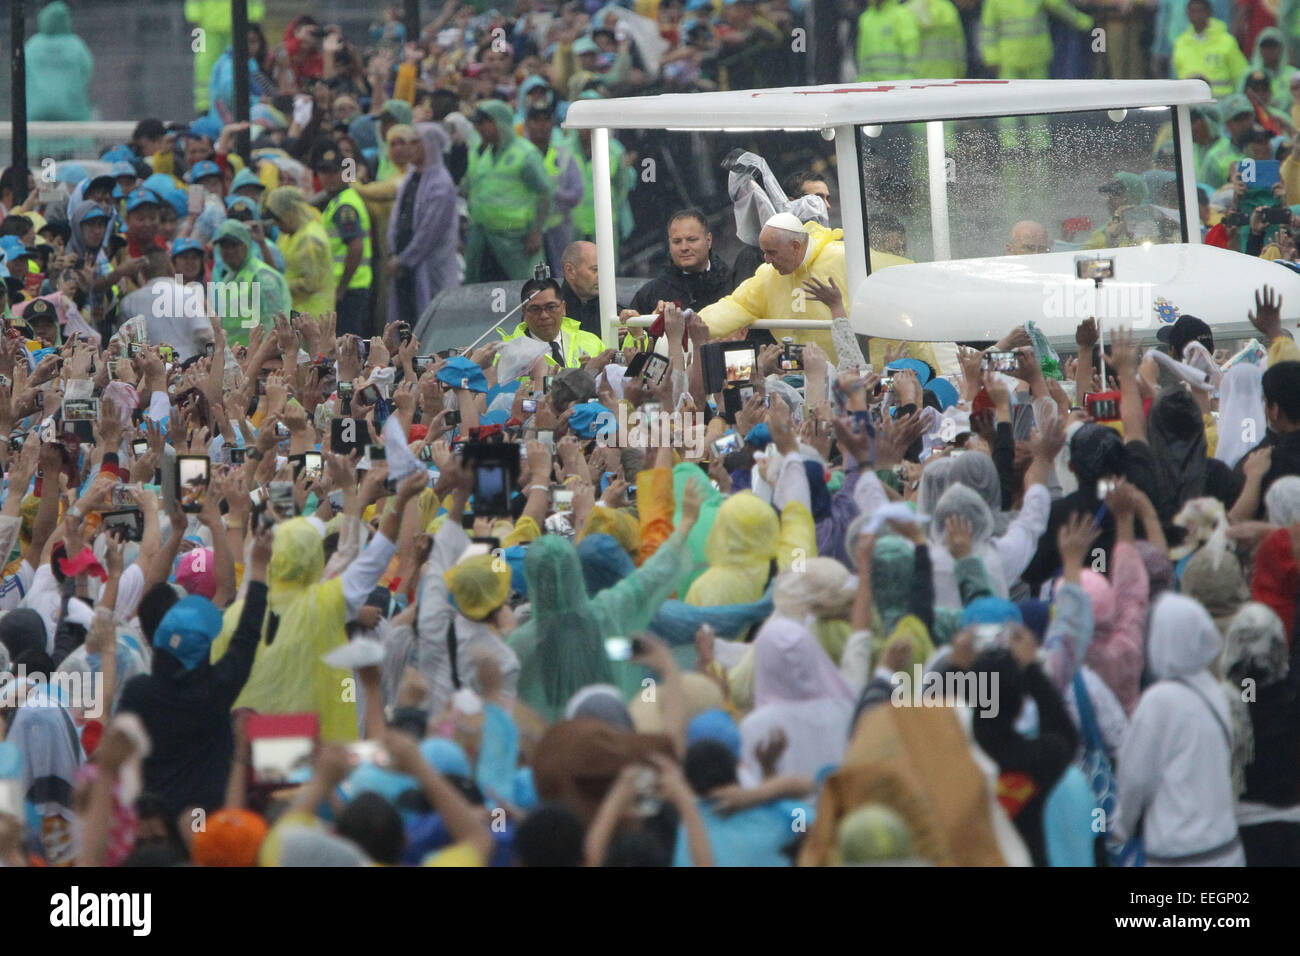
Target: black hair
x: 149, y: 129
x: 551, y: 835
x: 690, y: 213
x: 794, y: 184
x: 373, y: 824
x: 540, y: 285
x: 154, y: 604
x: 15, y: 226
x: 1204, y: 3
x: 153, y: 855
x: 637, y: 848
x: 1282, y: 388
x: 11, y: 178
x: 709, y: 764
x: 150, y: 806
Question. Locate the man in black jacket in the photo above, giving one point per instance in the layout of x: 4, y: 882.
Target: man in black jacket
x: 185, y: 702
x: 580, y: 290
x: 694, y: 277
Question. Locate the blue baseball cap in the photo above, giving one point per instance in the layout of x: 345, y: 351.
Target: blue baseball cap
x: 445, y: 756
x: 714, y: 725
x: 232, y: 201
x: 201, y: 170
x: 141, y: 197
x: 185, y: 244
x: 588, y: 417
x: 699, y: 4
x: 498, y: 417
x: 186, y: 631
x: 165, y: 188
x: 921, y: 369
x: 205, y: 126
x: 944, y: 391
x: 760, y: 436
x: 95, y: 212
x: 990, y: 610
x: 13, y: 248
x: 460, y: 369
x: 246, y: 177
x: 123, y: 169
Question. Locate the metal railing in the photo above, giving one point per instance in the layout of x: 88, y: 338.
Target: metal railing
x: 796, y: 325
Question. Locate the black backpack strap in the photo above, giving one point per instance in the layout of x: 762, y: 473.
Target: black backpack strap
x: 451, y: 652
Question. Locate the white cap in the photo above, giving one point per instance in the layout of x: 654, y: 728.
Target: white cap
x: 787, y: 222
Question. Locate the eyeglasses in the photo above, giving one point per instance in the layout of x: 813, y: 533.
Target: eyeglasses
x: 550, y: 308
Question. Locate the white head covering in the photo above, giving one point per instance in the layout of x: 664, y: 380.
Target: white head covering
x: 824, y: 589
x: 614, y: 376
x: 1241, y: 400
x: 1184, y: 639
x: 786, y: 222
x: 1283, y: 501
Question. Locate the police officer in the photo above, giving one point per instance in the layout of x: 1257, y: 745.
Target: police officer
x: 348, y: 226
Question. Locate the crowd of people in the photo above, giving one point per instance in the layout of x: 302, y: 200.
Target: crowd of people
x: 282, y: 589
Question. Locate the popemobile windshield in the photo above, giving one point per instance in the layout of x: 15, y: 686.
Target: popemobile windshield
x: 959, y: 163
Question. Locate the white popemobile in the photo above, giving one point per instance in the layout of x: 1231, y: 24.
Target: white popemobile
x: 1157, y: 276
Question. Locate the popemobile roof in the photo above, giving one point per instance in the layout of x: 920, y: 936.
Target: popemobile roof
x: 823, y: 107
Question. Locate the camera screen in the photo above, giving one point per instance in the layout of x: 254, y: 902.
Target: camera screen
x: 727, y: 444
x: 739, y: 364
x: 490, y: 488
x: 656, y: 366
x: 192, y: 479
x: 1001, y: 361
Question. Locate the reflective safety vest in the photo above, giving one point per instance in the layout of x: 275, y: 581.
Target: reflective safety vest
x: 1015, y: 35
x: 1213, y: 55
x: 584, y: 213
x: 888, y: 42
x: 349, y: 199
x: 943, y: 41
x: 499, y: 199
x: 575, y: 344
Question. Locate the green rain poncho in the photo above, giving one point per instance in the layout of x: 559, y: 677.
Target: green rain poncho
x: 1280, y: 77
x: 506, y: 185
x: 892, y: 569
x: 254, y: 294
x: 561, y: 648
x: 59, y: 66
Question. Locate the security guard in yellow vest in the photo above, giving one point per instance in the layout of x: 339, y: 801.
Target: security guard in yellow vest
x: 544, y: 320
x: 348, y: 225
x: 509, y: 198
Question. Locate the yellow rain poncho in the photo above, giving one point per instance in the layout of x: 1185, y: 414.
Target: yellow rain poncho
x: 478, y: 585
x: 746, y: 536
x: 308, y: 264
x: 288, y: 675
x: 769, y: 295
x: 619, y: 525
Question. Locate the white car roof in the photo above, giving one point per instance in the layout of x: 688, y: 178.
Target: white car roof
x: 822, y: 107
